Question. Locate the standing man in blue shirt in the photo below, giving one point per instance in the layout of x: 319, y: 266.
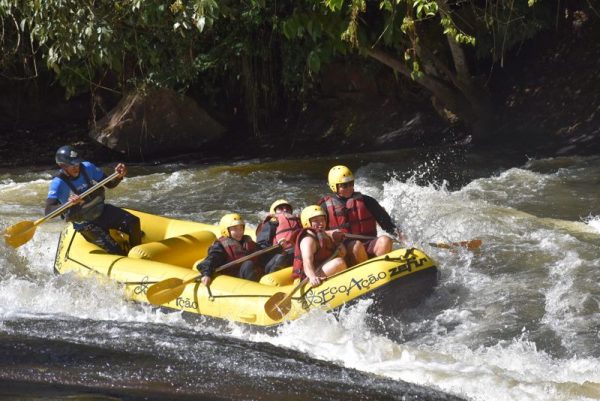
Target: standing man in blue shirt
x: 91, y: 216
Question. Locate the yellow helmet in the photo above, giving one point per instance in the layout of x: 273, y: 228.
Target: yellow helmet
x: 339, y: 175
x: 278, y: 203
x: 309, y: 212
x: 230, y: 220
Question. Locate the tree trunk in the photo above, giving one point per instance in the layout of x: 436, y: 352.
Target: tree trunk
x: 461, y: 95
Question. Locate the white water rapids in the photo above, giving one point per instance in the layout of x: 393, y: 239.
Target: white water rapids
x: 517, y: 320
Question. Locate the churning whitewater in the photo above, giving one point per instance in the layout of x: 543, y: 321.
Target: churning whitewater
x: 519, y: 319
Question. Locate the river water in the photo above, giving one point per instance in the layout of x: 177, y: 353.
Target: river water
x: 517, y: 320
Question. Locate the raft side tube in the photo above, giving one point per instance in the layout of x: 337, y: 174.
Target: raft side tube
x: 182, y: 250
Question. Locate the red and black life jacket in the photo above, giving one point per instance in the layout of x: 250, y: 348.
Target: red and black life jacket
x: 237, y: 249
x: 325, y: 248
x: 288, y: 228
x: 351, y: 217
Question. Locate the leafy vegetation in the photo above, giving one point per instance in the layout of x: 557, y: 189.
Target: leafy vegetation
x: 254, y: 57
x: 434, y: 42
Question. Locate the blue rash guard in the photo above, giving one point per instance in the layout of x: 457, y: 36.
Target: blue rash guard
x: 61, y: 191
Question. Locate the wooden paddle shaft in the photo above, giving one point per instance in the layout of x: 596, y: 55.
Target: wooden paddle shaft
x: 235, y: 262
x: 358, y: 236
x: 472, y: 244
x: 245, y: 258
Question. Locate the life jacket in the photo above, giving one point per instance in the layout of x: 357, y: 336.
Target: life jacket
x: 351, y: 217
x: 325, y: 248
x: 288, y: 228
x: 93, y: 206
x: 238, y: 249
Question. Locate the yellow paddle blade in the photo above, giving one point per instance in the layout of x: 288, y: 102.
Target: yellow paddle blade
x: 19, y: 233
x: 472, y: 244
x: 278, y: 305
x: 165, y: 291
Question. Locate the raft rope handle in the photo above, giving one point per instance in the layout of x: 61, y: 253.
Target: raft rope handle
x: 210, y: 295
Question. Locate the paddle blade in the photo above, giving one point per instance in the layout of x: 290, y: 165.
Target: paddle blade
x: 278, y: 305
x: 19, y: 233
x: 471, y: 245
x: 165, y: 291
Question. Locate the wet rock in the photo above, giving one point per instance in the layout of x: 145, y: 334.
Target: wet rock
x: 158, y: 122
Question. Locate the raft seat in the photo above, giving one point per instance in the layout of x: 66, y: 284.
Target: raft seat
x: 182, y: 250
x: 279, y: 278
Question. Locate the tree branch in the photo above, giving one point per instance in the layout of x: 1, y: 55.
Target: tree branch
x: 458, y: 54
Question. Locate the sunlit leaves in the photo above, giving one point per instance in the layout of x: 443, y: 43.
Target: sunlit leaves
x: 451, y: 30
x: 137, y: 40
x: 424, y: 8
x: 416, y: 72
x: 334, y: 5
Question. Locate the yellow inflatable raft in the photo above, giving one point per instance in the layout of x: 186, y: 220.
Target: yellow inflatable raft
x: 172, y: 247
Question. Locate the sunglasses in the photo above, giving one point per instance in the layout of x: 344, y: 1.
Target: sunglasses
x: 346, y: 184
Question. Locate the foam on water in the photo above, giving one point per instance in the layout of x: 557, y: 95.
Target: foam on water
x: 594, y: 222
x: 37, y: 294
x: 481, y: 335
x: 508, y: 370
x: 460, y: 348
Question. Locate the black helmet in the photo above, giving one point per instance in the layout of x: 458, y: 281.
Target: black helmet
x: 67, y: 155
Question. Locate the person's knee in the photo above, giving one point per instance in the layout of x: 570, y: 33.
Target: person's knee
x: 278, y: 261
x: 334, y: 266
x: 135, y: 231
x: 359, y: 252
x: 100, y: 237
x: 130, y: 222
x: 385, y: 241
x: 340, y: 264
x: 132, y: 226
x: 383, y: 245
x: 248, y: 271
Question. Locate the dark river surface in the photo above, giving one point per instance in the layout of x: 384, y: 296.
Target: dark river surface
x: 517, y: 320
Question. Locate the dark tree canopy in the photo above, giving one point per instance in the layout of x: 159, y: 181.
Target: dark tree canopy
x: 259, y: 55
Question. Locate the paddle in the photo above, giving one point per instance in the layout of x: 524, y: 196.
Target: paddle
x: 280, y: 303
x: 167, y: 290
x: 472, y: 244
x: 18, y: 234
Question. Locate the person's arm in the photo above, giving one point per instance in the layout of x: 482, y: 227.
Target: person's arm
x: 122, y: 170
x: 264, y: 239
x: 308, y: 246
x: 58, y: 194
x: 216, y: 257
x: 98, y: 175
x: 336, y: 235
x: 323, y: 205
x: 380, y: 214
x: 51, y: 205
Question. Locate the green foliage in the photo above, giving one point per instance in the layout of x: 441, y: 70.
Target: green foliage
x: 451, y: 30
x: 401, y: 26
x: 251, y: 53
x: 141, y: 42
